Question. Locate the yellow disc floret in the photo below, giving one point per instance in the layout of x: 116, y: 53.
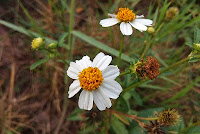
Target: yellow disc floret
x: 37, y: 42
x: 90, y: 78
x: 125, y: 15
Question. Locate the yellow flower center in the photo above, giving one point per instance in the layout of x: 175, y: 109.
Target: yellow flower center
x: 125, y: 15
x: 90, y: 78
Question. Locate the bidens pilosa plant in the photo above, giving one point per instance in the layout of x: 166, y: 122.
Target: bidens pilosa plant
x: 99, y: 82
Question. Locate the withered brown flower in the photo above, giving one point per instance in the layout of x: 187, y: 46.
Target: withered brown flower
x: 153, y: 128
x: 148, y: 68
x: 151, y: 67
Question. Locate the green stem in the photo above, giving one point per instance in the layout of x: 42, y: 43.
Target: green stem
x: 64, y: 61
x: 71, y: 24
x: 62, y: 118
x: 120, y: 51
x: 162, y: 71
x: 189, y: 127
x: 149, y: 44
x: 124, y: 73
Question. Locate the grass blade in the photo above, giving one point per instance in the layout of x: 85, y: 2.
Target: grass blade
x: 100, y: 45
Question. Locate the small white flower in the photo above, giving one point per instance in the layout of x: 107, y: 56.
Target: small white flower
x: 97, y: 79
x: 128, y: 20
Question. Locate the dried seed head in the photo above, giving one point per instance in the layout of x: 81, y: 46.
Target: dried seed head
x: 169, y: 117
x: 171, y: 13
x: 151, y: 67
x: 153, y: 127
x: 148, y: 68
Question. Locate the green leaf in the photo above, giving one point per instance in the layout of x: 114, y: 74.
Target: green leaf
x: 190, y: 44
x: 100, y: 45
x: 155, y: 16
x: 137, y: 98
x: 122, y: 105
x: 118, y: 127
x: 75, y: 115
x: 193, y: 130
x: 182, y: 92
x: 25, y: 31
x: 62, y: 39
x: 37, y: 63
x: 153, y: 87
x: 31, y: 19
x: 194, y: 59
x: 163, y: 11
x: 196, y: 35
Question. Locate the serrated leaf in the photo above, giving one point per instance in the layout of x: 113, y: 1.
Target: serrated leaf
x: 37, y: 63
x: 118, y: 127
x: 196, y: 35
x: 190, y: 44
x: 62, y: 38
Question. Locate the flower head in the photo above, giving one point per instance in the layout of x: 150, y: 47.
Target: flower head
x: 169, y: 117
x: 128, y: 20
x: 148, y: 68
x: 153, y: 128
x: 37, y: 42
x: 97, y: 79
x: 171, y: 13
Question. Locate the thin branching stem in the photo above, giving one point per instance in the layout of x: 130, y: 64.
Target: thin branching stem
x: 120, y: 51
x: 162, y: 71
x: 69, y: 58
x: 149, y: 44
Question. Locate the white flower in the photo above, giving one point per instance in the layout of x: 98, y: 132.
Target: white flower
x: 128, y: 20
x: 97, y: 79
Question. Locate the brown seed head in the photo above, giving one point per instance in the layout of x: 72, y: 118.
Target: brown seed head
x: 151, y: 67
x: 169, y: 117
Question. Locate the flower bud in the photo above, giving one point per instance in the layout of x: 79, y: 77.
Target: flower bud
x: 52, y: 45
x: 197, y: 47
x: 171, y: 13
x: 37, y: 42
x: 150, y: 30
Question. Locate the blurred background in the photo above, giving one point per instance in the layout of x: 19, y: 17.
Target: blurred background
x: 31, y: 101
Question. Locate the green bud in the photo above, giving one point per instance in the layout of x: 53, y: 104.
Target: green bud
x: 150, y: 30
x: 52, y: 45
x: 197, y: 47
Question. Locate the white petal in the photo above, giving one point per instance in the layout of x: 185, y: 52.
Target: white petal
x: 85, y: 62
x: 85, y: 100
x: 72, y: 71
x: 126, y: 28
x: 111, y: 88
x: 112, y: 15
x: 74, y: 88
x: 111, y: 72
x: 104, y: 62
x: 101, y: 100
x: 109, y: 22
x: 146, y: 22
x: 97, y: 59
x: 139, y: 16
x: 138, y: 26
